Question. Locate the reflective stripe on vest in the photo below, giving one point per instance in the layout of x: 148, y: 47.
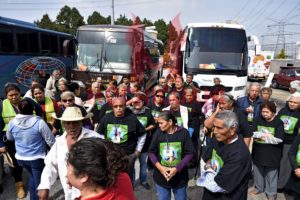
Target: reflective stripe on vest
x: 8, y: 113
x: 49, y: 109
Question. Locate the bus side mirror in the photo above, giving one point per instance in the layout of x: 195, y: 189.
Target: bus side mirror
x: 66, y: 45
x: 69, y: 47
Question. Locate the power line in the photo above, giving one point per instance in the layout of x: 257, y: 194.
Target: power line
x: 259, y: 13
x: 240, y: 11
x: 271, y: 13
x: 128, y: 3
x: 251, y: 11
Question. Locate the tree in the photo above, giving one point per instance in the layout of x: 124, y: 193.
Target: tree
x: 45, y: 22
x: 147, y: 22
x: 173, y: 36
x: 97, y: 18
x: 136, y: 20
x: 281, y: 54
x: 162, y: 30
x: 123, y: 20
x: 68, y: 20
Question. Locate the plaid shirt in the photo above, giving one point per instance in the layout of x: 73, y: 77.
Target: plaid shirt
x: 209, y: 107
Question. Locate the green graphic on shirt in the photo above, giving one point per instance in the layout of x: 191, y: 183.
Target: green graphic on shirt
x: 265, y: 129
x: 99, y: 103
x: 108, y: 111
x: 155, y: 113
x: 170, y: 153
x: 143, y: 121
x: 216, y: 161
x: 298, y: 156
x: 117, y: 133
x: 189, y: 109
x: 289, y: 123
x: 179, y: 121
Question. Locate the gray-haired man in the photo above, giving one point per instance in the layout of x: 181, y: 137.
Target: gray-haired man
x: 229, y: 158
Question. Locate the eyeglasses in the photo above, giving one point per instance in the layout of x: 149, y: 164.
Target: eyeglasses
x: 159, y: 96
x: 116, y: 106
x: 67, y: 100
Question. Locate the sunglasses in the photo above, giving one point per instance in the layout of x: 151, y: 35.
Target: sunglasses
x: 159, y: 96
x: 116, y: 106
x: 67, y: 100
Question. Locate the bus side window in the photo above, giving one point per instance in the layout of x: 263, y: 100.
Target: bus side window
x: 45, y: 41
x: 6, y: 40
x: 27, y: 41
x: 54, y: 44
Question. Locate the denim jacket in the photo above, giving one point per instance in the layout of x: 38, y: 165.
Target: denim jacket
x: 30, y: 134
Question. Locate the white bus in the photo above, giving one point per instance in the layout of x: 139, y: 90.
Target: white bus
x: 114, y: 52
x: 210, y: 50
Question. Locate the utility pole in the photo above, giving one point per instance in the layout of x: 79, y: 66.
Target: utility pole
x: 281, y: 42
x: 112, y: 20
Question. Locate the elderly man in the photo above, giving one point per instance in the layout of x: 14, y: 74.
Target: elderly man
x: 250, y: 104
x: 55, y: 161
x: 181, y: 113
x: 52, y: 82
x: 189, y: 82
x: 124, y: 129
x: 228, y: 161
x: 290, y: 115
x: 68, y: 100
x: 226, y: 102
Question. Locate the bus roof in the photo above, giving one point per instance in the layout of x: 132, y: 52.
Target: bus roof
x: 104, y: 27
x: 28, y: 25
x: 117, y: 28
x: 219, y: 25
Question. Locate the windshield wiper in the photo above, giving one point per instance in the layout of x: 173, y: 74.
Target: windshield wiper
x: 108, y: 63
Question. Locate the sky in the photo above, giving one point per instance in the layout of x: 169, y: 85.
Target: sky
x: 260, y: 17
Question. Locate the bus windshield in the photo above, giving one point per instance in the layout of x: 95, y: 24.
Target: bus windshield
x: 99, y: 50
x: 216, y: 49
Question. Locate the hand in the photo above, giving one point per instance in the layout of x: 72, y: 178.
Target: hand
x: 249, y: 110
x: 172, y: 172
x: 137, y: 153
x: 2, y: 149
x: 164, y: 171
x: 218, y: 109
x: 43, y: 194
x: 205, y: 130
x: 297, y: 172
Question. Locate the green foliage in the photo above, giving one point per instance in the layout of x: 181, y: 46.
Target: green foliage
x: 69, y: 19
x: 162, y: 30
x: 45, y: 22
x: 281, y: 54
x: 123, y: 20
x: 97, y: 18
x: 147, y: 22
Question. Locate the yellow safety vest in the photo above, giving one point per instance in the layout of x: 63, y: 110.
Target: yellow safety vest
x: 49, y: 109
x: 8, y: 113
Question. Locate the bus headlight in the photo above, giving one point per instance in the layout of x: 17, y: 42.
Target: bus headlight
x: 239, y: 88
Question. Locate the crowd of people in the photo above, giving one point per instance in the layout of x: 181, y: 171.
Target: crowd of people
x: 91, y: 138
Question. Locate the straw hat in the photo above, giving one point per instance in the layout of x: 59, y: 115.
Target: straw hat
x: 72, y: 114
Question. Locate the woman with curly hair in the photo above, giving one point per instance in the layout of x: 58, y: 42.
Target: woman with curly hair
x: 97, y: 168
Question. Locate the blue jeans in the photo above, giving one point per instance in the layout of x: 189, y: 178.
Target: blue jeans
x: 165, y: 193
x: 35, y: 169
x: 143, y: 167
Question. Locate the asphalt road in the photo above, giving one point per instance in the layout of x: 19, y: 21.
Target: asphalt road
x: 194, y: 192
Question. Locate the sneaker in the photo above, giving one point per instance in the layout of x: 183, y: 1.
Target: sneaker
x: 20, y: 190
x: 146, y: 186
